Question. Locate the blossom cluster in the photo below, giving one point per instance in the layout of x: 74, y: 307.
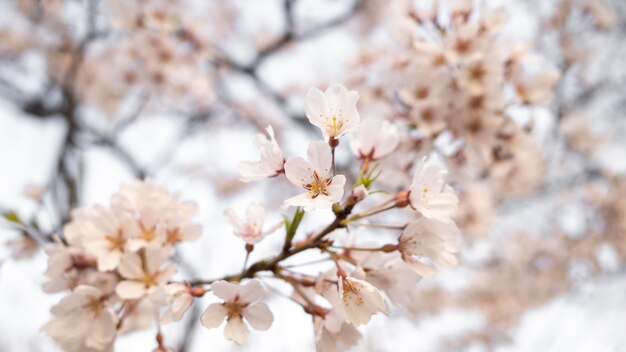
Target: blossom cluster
x: 118, y: 262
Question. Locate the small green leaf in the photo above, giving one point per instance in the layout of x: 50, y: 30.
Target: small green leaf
x: 12, y: 216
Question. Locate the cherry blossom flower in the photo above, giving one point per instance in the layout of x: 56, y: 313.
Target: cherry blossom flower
x: 179, y: 299
x: 322, y: 191
x: 105, y: 234
x: 429, y: 194
x: 375, y: 139
x: 427, y: 238
x: 239, y: 302
x: 333, y: 111
x: 333, y: 341
x: 250, y: 230
x: 145, y: 275
x: 271, y: 163
x: 360, y: 300
x: 161, y: 217
x: 82, y: 321
x: 388, y: 272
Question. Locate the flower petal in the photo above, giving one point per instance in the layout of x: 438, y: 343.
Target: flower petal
x: 259, y: 316
x: 214, y: 315
x: 236, y: 330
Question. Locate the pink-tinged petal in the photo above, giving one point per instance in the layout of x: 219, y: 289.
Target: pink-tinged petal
x: 251, y: 292
x: 167, y: 273
x: 420, y: 268
x: 388, y: 140
x: 255, y: 215
x: 131, y: 266
x: 364, y: 140
x: 149, y: 217
x: 130, y: 289
x: 102, y: 332
x: 320, y: 202
x: 253, y: 170
x: 236, y: 330
x: 301, y: 200
x: 316, y: 107
x: 320, y: 158
x: 225, y: 290
x: 259, y: 316
x: 214, y: 315
x: 298, y: 171
x: 156, y: 256
x: 336, y: 96
x: 335, y: 189
x: 233, y: 219
x: 109, y: 261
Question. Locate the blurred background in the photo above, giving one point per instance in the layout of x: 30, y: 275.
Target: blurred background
x: 95, y: 93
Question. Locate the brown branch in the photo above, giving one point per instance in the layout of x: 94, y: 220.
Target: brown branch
x: 272, y: 264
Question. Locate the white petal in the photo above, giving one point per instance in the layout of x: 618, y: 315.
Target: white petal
x: 130, y: 289
x: 301, y: 200
x: 156, y: 256
x: 320, y: 157
x: 109, y: 261
x: 251, y: 292
x: 255, y: 214
x: 236, y: 330
x: 214, y: 315
x: 131, y: 266
x: 298, y: 171
x: 335, y: 189
x: 233, y: 219
x: 259, y: 316
x: 225, y: 290
x: 316, y: 107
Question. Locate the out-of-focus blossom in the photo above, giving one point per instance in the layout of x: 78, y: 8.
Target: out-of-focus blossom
x: 430, y: 195
x: 429, y: 239
x: 271, y: 163
x: 105, y: 234
x: 375, y: 139
x: 322, y: 191
x: 388, y: 273
x: 239, y: 302
x: 333, y: 341
x: 250, y: 229
x: 145, y: 274
x: 333, y: 111
x: 360, y: 300
x: 179, y: 300
x: 83, y: 321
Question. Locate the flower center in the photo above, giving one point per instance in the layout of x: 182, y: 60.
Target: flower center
x: 334, y: 125
x: 318, y: 186
x: 116, y: 242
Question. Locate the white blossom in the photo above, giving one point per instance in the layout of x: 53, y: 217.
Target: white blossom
x: 271, y: 163
x: 250, y: 230
x: 161, y: 217
x: 333, y: 111
x: 375, y: 139
x: 239, y: 302
x: 82, y: 321
x: 322, y: 191
x: 180, y: 299
x: 105, y: 234
x: 145, y: 275
x: 429, y: 194
x: 334, y: 341
x: 427, y: 238
x: 360, y: 300
x: 388, y: 272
